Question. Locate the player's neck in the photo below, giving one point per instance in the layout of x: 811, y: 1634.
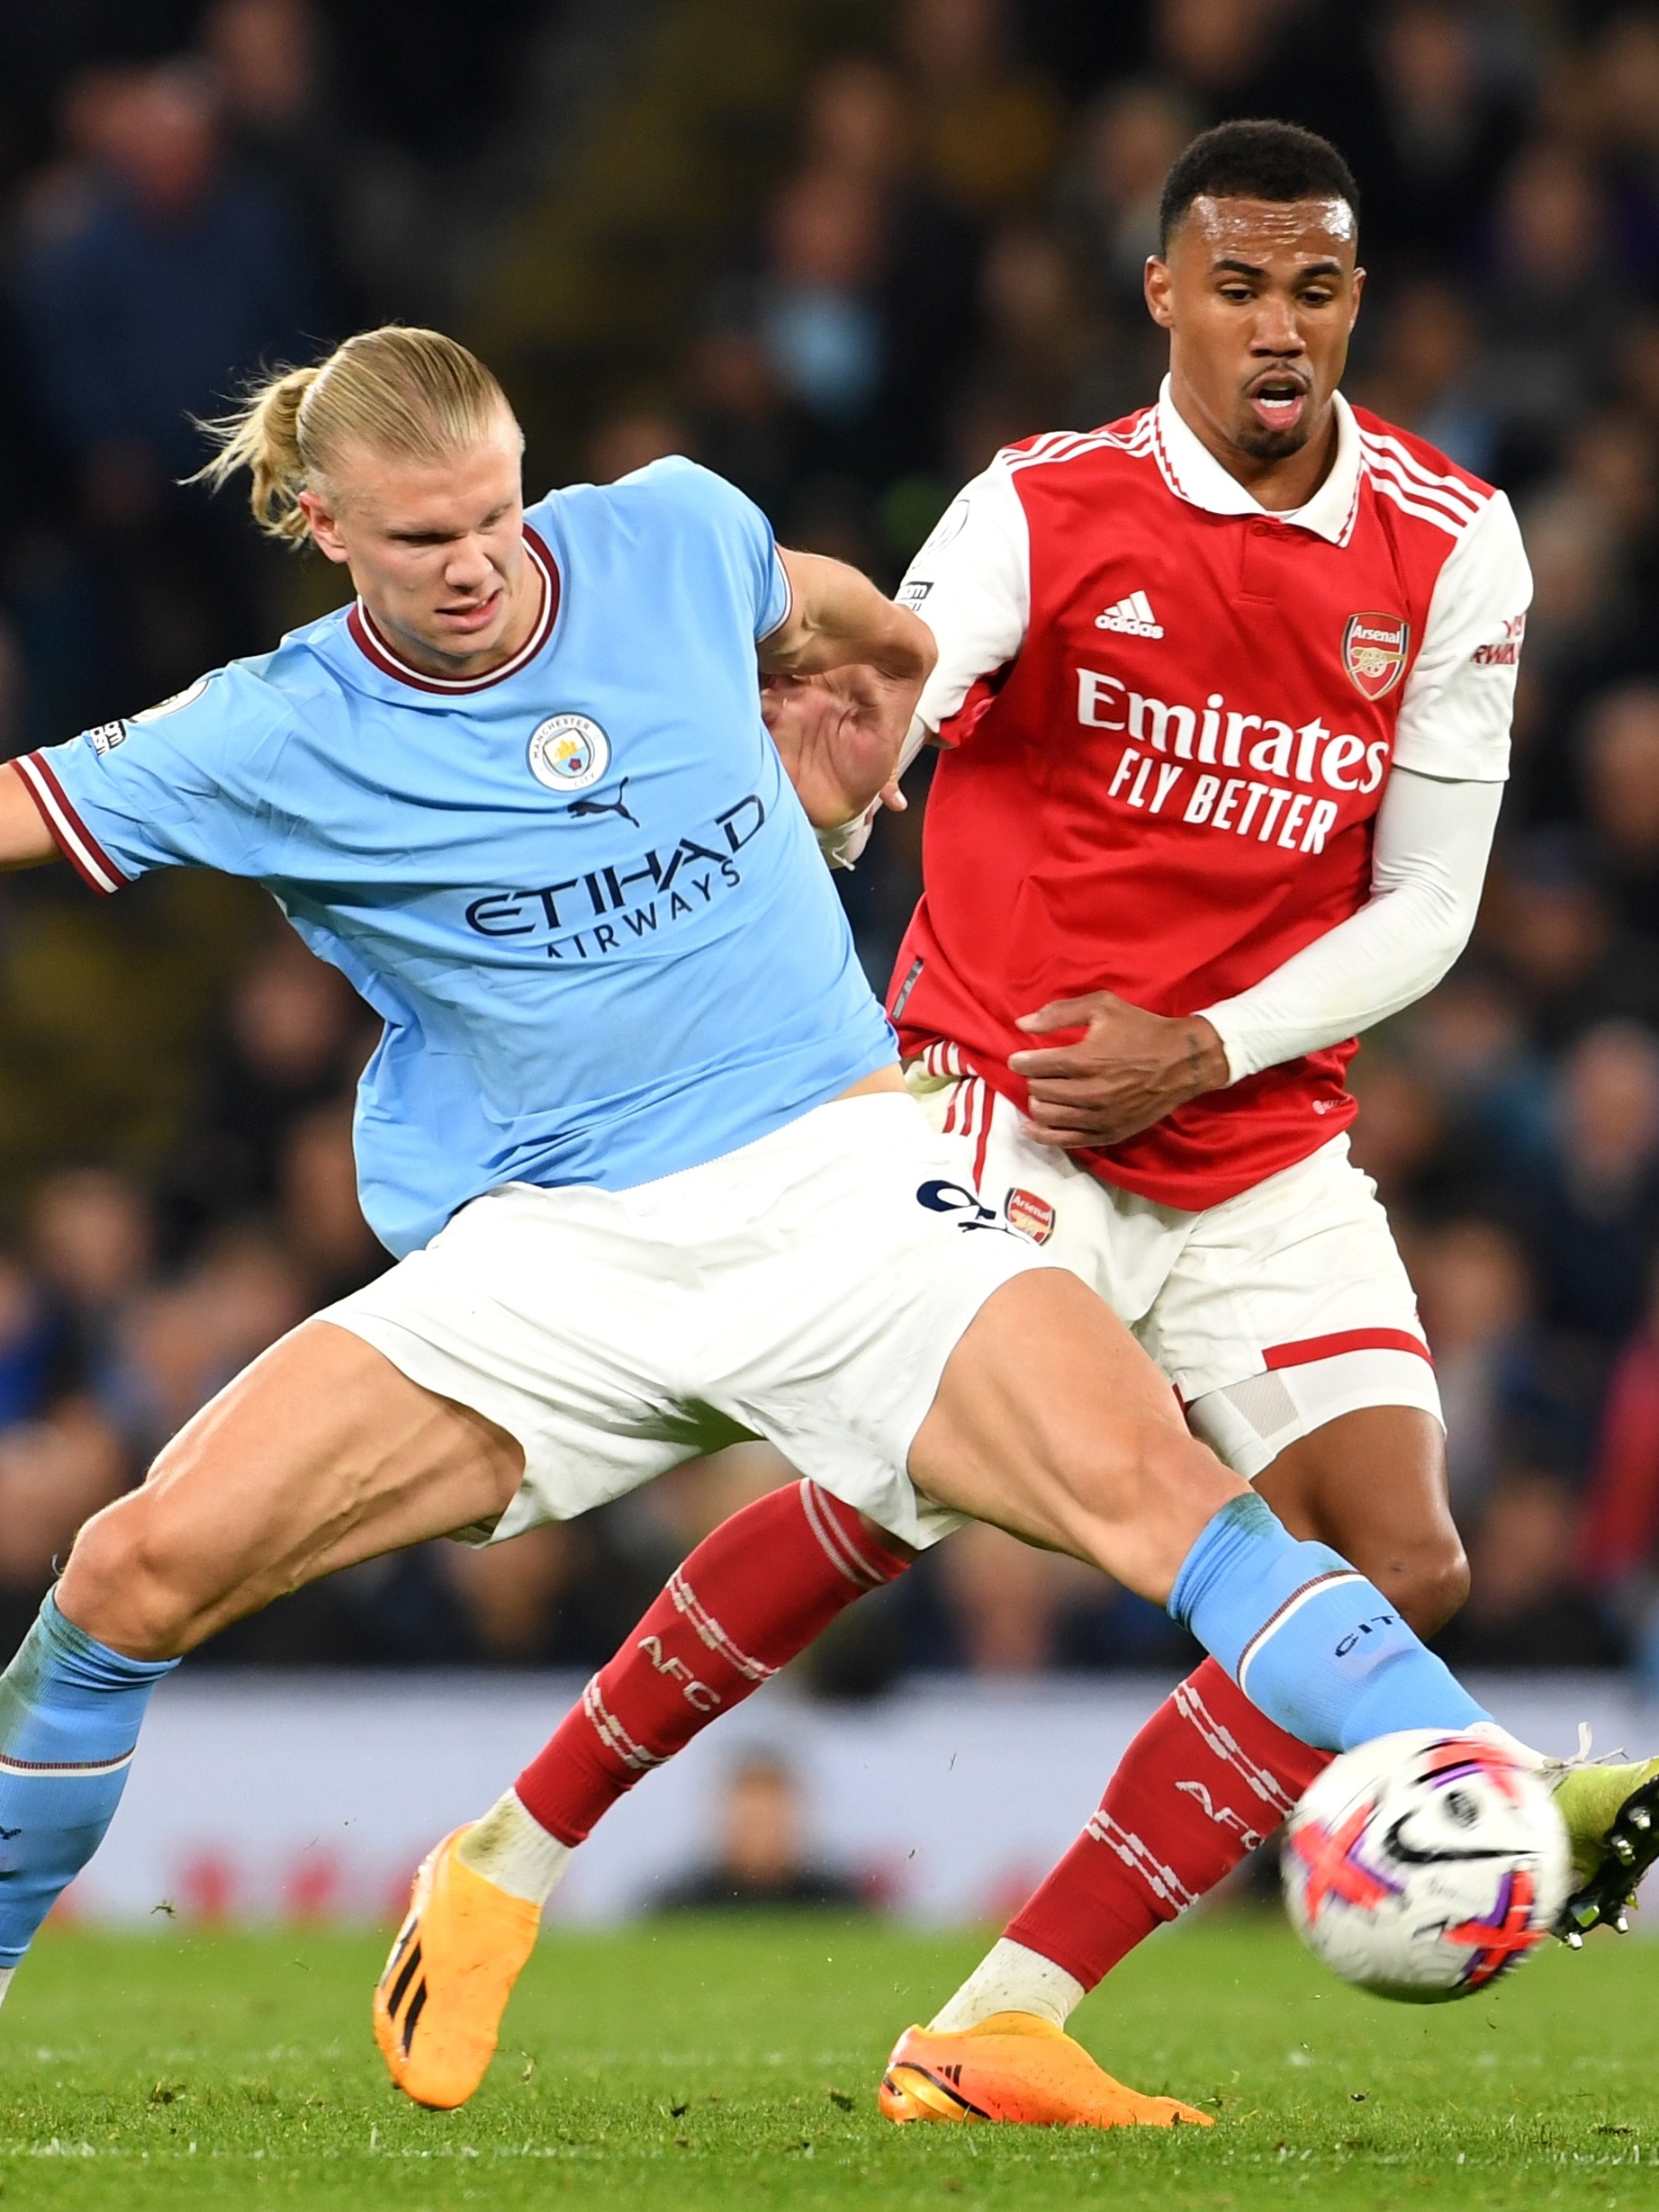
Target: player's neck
x: 1281, y: 485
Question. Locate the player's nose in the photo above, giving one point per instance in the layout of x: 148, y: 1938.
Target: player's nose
x: 467, y: 567
x: 1276, y: 330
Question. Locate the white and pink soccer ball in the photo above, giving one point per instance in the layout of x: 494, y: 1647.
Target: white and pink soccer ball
x: 1422, y: 1866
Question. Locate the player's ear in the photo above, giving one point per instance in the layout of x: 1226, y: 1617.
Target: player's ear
x: 324, y: 529
x: 1157, y: 285
x: 1355, y: 296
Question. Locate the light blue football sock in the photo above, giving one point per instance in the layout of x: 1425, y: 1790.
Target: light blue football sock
x: 70, y: 1711
x: 1309, y: 1640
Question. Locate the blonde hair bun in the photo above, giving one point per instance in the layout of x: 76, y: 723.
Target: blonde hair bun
x: 410, y: 392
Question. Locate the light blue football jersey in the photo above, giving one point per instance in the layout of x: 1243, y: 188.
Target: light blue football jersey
x: 581, y: 892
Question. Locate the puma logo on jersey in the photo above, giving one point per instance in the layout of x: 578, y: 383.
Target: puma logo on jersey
x: 1133, y: 617
x: 618, y: 806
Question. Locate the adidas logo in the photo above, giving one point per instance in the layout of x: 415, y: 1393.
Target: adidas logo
x: 1133, y: 617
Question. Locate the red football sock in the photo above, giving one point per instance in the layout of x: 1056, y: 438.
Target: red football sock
x: 1206, y: 1780
x: 750, y: 1599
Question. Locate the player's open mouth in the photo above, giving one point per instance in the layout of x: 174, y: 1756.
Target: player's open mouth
x: 471, y: 618
x: 1277, y: 402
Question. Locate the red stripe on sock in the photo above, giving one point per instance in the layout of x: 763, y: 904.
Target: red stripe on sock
x: 1206, y: 1780
x: 751, y: 1597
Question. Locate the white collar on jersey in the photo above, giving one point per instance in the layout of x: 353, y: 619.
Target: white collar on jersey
x: 1193, y: 472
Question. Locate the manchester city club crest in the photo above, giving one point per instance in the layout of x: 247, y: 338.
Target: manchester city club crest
x: 1374, y: 651
x: 568, y: 753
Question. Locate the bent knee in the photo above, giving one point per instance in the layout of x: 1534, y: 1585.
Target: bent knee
x: 116, y: 1586
x: 1429, y: 1587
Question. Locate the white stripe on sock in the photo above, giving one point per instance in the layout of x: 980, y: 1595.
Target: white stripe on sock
x: 1288, y: 1612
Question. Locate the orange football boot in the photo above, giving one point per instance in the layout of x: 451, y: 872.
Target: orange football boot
x: 438, y: 2006
x: 1018, y: 2068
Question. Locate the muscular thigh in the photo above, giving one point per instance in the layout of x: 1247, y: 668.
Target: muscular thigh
x: 318, y: 1455
x: 1050, y: 1422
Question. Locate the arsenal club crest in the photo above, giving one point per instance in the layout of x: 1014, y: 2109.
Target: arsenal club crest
x: 1374, y: 651
x: 1032, y: 1216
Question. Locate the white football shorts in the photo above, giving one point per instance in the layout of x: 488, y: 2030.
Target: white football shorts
x: 1272, y: 1313
x: 807, y: 1289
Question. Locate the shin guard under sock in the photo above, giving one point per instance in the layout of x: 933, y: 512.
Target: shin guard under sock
x: 1306, y: 1638
x: 1206, y: 1780
x: 750, y: 1599
x: 70, y: 1711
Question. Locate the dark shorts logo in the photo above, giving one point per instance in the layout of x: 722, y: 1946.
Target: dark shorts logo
x: 1030, y: 1216
x: 940, y: 1196
x: 1374, y: 651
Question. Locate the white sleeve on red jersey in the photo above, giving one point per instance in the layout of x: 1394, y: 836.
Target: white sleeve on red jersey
x: 1433, y: 839
x: 1455, y: 715
x: 970, y: 584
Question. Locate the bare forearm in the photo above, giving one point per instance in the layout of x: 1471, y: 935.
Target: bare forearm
x: 838, y: 619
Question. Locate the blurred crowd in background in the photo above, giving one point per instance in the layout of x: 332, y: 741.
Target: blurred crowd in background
x: 840, y: 250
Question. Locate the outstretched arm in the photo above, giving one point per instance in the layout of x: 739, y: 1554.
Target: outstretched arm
x: 24, y: 839
x: 841, y: 675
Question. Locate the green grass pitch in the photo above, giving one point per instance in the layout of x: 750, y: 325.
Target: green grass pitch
x: 725, y: 2065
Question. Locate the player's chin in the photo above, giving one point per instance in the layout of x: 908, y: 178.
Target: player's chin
x: 1253, y: 437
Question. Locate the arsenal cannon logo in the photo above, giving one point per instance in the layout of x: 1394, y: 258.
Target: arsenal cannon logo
x: 1374, y: 650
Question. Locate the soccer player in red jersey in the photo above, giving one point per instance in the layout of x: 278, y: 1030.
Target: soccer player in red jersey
x: 1225, y: 693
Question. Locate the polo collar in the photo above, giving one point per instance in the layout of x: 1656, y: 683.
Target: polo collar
x: 1193, y: 473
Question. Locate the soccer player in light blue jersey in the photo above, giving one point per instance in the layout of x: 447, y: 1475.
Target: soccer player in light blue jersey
x: 635, y: 1129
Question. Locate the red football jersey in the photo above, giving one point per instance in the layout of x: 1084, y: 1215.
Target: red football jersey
x: 1170, y: 718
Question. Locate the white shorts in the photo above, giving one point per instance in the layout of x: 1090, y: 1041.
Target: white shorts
x: 1272, y: 1313
x: 807, y: 1289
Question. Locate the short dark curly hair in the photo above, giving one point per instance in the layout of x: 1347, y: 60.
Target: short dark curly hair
x: 1254, y: 161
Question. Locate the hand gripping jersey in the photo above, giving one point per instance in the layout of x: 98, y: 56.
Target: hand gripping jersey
x: 580, y: 890
x: 1170, y: 717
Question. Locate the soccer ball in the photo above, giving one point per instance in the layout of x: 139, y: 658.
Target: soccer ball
x: 1422, y: 1866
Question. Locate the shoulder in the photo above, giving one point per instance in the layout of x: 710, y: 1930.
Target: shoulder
x: 301, y: 678
x: 1058, y: 455
x: 673, y: 487
x: 1464, y: 528
x: 236, y: 712
x: 1419, y: 480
